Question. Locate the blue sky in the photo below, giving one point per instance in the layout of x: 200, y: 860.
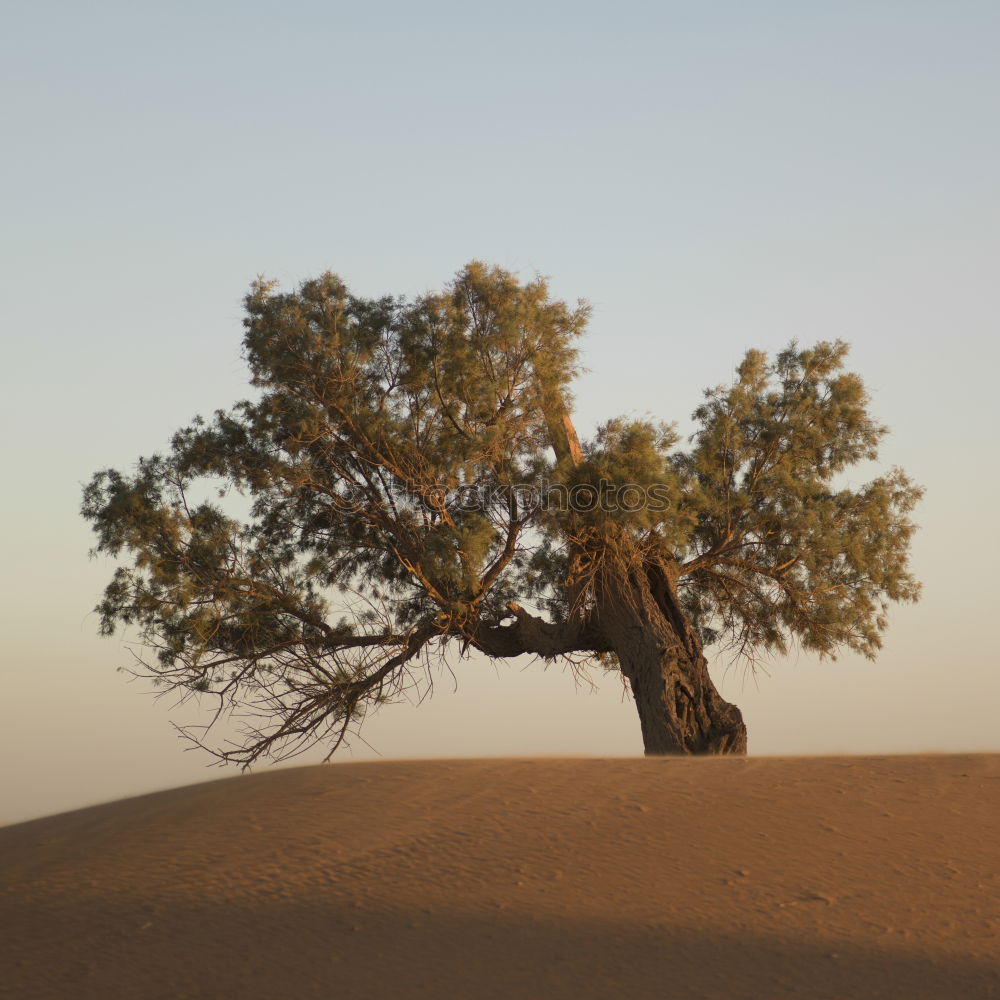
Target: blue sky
x: 710, y: 177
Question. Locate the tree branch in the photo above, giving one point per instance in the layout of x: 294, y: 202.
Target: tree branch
x: 534, y: 635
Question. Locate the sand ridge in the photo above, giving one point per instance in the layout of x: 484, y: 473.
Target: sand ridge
x: 750, y: 877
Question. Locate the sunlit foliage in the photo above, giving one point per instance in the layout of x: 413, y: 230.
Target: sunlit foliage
x: 403, y: 500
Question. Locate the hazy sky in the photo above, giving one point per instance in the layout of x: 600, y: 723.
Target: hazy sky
x: 710, y: 176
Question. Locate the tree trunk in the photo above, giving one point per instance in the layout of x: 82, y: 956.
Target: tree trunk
x: 680, y: 710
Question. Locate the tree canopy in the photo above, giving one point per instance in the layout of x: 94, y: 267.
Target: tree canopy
x: 415, y: 488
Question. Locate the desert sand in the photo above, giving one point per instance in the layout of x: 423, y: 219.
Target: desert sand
x: 844, y: 877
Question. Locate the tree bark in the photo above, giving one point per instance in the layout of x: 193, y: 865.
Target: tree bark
x: 641, y: 620
x: 680, y: 709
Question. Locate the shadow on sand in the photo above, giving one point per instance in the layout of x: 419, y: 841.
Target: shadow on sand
x: 274, y: 950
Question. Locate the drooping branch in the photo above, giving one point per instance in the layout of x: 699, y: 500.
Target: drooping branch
x: 308, y: 704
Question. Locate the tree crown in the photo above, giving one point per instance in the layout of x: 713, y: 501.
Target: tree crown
x: 403, y: 497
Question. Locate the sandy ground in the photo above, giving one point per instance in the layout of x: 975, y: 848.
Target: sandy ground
x: 808, y: 877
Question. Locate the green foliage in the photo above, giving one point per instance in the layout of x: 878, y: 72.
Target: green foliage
x: 778, y: 551
x: 370, y: 415
x: 373, y: 416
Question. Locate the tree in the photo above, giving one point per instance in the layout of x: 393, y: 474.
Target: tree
x: 415, y: 488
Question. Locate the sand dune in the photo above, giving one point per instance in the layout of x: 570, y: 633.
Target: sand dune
x: 811, y: 877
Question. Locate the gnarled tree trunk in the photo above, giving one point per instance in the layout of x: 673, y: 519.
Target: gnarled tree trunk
x: 680, y: 709
x: 641, y: 620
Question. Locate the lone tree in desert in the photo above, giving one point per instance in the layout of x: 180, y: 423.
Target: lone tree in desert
x: 415, y: 488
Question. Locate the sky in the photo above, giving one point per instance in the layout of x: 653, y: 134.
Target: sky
x: 710, y: 177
